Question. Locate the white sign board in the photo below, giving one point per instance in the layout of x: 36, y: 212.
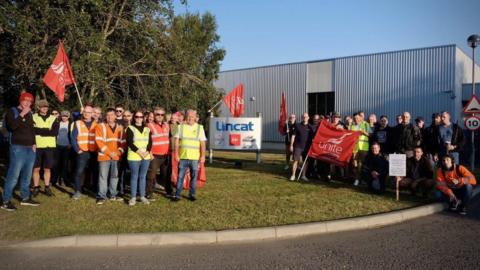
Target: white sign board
x: 397, y: 165
x: 235, y: 133
x: 472, y: 123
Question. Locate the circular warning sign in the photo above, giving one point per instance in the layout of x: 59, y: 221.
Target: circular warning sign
x: 472, y: 123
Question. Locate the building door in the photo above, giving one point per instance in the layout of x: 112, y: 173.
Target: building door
x: 321, y: 103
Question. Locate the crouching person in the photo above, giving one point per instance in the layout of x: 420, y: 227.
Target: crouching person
x: 455, y: 182
x: 375, y: 169
x: 419, y: 174
x: 110, y: 139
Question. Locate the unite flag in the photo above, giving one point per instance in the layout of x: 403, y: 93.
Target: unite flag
x: 282, y: 121
x: 235, y: 101
x: 59, y: 74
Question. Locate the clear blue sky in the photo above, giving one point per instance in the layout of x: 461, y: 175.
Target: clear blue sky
x: 266, y: 32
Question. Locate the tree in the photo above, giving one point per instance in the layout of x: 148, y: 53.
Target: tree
x: 132, y: 52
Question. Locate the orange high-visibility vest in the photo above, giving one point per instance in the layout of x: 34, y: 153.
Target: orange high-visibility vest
x: 109, y: 141
x: 160, y: 140
x: 86, y: 137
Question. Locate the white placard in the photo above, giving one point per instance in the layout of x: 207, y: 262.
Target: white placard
x: 236, y: 133
x: 397, y: 165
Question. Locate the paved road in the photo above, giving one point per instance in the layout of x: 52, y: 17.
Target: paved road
x: 441, y: 241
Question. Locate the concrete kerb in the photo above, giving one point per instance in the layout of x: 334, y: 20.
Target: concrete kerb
x: 238, y: 235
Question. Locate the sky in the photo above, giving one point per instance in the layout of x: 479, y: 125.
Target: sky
x: 268, y: 32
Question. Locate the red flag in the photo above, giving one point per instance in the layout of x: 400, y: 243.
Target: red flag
x: 59, y: 74
x: 201, y: 177
x: 235, y: 102
x: 333, y: 145
x: 282, y: 121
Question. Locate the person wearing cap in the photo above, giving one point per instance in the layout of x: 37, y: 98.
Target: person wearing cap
x: 455, y: 183
x: 46, y: 131
x: 62, y: 155
x: 19, y: 122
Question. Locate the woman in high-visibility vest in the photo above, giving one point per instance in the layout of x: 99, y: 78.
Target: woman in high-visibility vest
x: 139, y: 144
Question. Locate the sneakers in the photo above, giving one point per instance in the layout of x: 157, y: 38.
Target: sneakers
x: 48, y: 191
x: 356, y: 182
x: 9, y: 206
x: 132, y: 201
x: 144, y: 200
x: 150, y: 197
x: 463, y: 211
x: 175, y: 199
x: 116, y: 199
x: 304, y: 178
x: 100, y: 201
x: 454, y: 205
x: 76, y: 196
x: 286, y: 167
x: 292, y: 178
x: 192, y: 198
x: 35, y: 191
x: 169, y: 195
x: 29, y: 202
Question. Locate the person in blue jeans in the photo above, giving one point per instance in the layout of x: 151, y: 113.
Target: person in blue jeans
x: 139, y: 143
x: 19, y: 123
x: 189, y: 152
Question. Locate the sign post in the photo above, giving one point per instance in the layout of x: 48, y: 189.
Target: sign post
x: 397, y: 166
x: 472, y: 122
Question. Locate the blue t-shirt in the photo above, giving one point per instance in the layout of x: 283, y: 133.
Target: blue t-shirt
x: 446, y: 134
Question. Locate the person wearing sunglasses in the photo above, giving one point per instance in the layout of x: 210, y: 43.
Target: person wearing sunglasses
x: 119, y: 113
x: 139, y: 144
x: 160, y: 148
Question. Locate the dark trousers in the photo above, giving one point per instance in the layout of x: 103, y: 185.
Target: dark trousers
x: 162, y: 163
x: 122, y: 174
x: 376, y: 185
x: 62, y: 160
x: 463, y: 193
x: 83, y: 160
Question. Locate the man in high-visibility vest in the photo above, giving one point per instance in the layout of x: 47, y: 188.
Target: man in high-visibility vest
x: 46, y: 131
x: 362, y: 147
x: 160, y: 131
x: 189, y: 152
x: 82, y: 138
x: 110, y: 140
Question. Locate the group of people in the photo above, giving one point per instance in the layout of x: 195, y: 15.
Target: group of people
x: 99, y: 148
x: 426, y: 148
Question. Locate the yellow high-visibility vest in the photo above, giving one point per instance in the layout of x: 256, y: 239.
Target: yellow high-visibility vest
x: 189, y: 137
x: 362, y: 144
x: 140, y: 140
x: 44, y: 141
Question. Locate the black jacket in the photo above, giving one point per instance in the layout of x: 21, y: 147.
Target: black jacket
x: 384, y: 137
x: 407, y: 137
x: 457, y: 138
x: 430, y: 142
x: 419, y: 169
x: 376, y: 163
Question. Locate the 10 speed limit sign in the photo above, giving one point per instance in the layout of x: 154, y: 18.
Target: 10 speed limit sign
x: 472, y: 123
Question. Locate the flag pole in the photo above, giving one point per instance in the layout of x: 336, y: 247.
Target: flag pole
x: 303, y: 165
x: 78, y: 94
x: 215, y: 105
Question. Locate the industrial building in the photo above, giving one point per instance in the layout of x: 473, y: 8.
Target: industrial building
x: 421, y: 81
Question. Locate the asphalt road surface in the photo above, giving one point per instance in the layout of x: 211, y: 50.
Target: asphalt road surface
x: 441, y: 241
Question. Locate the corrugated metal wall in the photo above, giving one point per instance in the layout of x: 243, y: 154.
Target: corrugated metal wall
x: 266, y: 85
x: 421, y: 81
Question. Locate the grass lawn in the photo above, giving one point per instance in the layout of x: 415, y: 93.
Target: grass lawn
x: 252, y: 196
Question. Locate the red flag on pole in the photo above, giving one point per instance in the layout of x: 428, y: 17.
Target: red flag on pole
x: 235, y: 102
x: 282, y: 121
x: 59, y: 74
x: 333, y: 145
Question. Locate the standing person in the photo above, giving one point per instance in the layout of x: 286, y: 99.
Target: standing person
x: 372, y: 121
x: 190, y: 143
x: 407, y: 136
x: 160, y: 148
x: 119, y: 115
x: 122, y: 170
x: 149, y: 117
x: 316, y: 168
x: 361, y: 148
x: 139, y: 144
x: 399, y: 119
x: 455, y: 182
x: 289, y: 132
x: 419, y: 174
x: 63, y: 150
x: 375, y: 169
x: 97, y: 114
x: 110, y: 140
x: 300, y: 144
x: 450, y: 137
x: 431, y: 143
x: 383, y: 135
x: 56, y: 114
x: 19, y: 122
x: 83, y: 143
x: 348, y: 121
x: 46, y: 131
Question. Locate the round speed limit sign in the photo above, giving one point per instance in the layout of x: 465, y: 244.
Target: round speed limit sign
x: 472, y: 123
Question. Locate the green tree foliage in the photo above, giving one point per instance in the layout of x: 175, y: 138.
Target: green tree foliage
x: 132, y: 52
